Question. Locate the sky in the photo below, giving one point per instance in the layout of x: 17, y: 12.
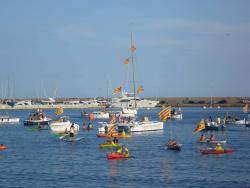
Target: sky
x: 77, y: 48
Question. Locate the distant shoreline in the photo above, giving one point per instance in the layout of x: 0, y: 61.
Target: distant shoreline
x: 207, y: 102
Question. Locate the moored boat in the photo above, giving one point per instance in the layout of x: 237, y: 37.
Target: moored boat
x: 37, y: 118
x: 62, y: 125
x: 8, y: 120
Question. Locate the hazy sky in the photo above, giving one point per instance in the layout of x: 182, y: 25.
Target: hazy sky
x: 184, y: 48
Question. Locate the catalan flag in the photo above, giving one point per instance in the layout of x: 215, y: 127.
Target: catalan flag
x: 245, y: 108
x: 200, y: 127
x: 133, y: 49
x: 59, y: 111
x: 165, y: 113
x: 112, y: 119
x: 117, y: 89
x: 140, y: 89
x: 126, y: 61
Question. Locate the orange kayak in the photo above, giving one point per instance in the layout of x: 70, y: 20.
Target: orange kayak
x: 213, y: 151
x: 2, y: 147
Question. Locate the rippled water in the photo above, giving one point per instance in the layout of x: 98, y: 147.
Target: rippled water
x: 38, y: 159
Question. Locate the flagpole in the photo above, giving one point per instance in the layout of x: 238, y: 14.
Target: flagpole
x: 133, y: 66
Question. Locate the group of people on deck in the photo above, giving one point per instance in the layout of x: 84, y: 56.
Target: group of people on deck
x: 203, y: 138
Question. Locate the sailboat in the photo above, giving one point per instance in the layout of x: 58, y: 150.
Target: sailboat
x: 145, y: 124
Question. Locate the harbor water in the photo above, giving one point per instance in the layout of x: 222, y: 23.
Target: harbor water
x: 39, y: 159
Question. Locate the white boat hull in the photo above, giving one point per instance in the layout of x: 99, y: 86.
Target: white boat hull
x: 144, y: 126
x: 63, y: 127
x: 9, y: 120
x: 176, y: 116
x: 101, y: 115
x: 240, y: 122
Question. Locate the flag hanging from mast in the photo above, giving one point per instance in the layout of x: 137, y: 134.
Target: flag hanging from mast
x: 133, y: 48
x: 117, y: 89
x: 165, y: 113
x: 140, y: 89
x: 200, y: 127
x: 126, y: 61
x: 245, y: 108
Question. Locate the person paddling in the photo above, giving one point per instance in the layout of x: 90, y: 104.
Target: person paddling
x: 72, y: 131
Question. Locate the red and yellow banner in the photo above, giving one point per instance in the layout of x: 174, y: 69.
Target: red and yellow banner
x: 165, y: 113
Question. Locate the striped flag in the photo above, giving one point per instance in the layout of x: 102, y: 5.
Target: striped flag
x: 200, y: 127
x: 126, y: 61
x: 165, y: 113
x: 59, y: 111
x: 112, y: 119
x: 245, y: 108
x: 140, y: 89
x: 117, y: 89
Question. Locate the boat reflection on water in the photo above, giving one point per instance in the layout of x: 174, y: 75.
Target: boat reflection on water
x: 166, y: 170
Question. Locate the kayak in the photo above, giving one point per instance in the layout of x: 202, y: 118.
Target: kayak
x: 109, y: 145
x: 2, y: 147
x: 117, y: 135
x: 68, y: 139
x: 115, y: 155
x: 213, y: 151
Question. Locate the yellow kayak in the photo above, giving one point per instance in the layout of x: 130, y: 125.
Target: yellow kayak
x: 109, y: 145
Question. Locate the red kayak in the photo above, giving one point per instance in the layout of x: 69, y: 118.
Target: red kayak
x: 213, y: 151
x: 116, y: 155
x: 2, y: 147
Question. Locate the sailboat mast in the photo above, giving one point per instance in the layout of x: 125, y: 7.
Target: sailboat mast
x: 132, y: 49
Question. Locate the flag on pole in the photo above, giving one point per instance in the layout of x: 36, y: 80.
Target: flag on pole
x: 59, y: 111
x: 200, y: 127
x: 245, y: 108
x: 165, y: 113
x: 126, y: 61
x: 140, y: 89
x: 133, y: 48
x: 117, y: 89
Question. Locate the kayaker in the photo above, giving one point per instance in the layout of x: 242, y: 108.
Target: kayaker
x: 115, y: 140
x: 125, y: 150
x: 218, y: 147
x: 212, y: 138
x: 202, y: 138
x: 106, y: 129
x: 90, y: 126
x: 72, y: 131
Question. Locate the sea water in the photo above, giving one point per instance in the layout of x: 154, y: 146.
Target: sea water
x: 39, y: 159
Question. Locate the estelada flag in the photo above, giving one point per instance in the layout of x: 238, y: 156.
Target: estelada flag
x: 140, y: 89
x: 126, y: 61
x: 117, y: 89
x: 165, y: 113
x: 245, y: 108
x: 200, y: 127
x: 59, y: 111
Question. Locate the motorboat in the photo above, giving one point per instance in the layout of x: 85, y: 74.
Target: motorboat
x: 37, y: 118
x: 127, y: 100
x: 9, y: 120
x: 214, y: 125
x: 177, y: 115
x: 62, y: 125
x: 140, y: 126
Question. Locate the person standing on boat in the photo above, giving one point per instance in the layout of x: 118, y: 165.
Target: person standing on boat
x: 202, y: 138
x: 72, y: 131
